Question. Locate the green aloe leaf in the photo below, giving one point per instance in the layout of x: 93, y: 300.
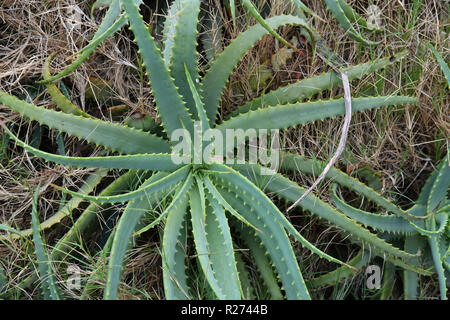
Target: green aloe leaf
x: 161, y: 161
x: 305, y: 89
x: 5, y: 227
x: 352, y: 15
x: 111, y: 136
x: 433, y: 243
x: 174, y: 253
x: 166, y: 182
x: 179, y: 197
x: 198, y: 220
x: 340, y: 273
x: 386, y: 223
x: 199, y: 108
x: 169, y: 30
x: 290, y: 191
x: 440, y: 187
x: 217, y: 75
x: 57, y: 96
x: 293, y: 162
x: 218, y: 197
x: 411, y: 279
x: 257, y: 250
x: 338, y: 13
x: 184, y: 51
x: 276, y: 242
x: 264, y: 206
x: 170, y: 105
x: 284, y: 116
x: 87, y: 220
x: 112, y: 22
x: 244, y: 278
x: 49, y: 286
x: 134, y: 212
x: 251, y: 8
x: 221, y: 248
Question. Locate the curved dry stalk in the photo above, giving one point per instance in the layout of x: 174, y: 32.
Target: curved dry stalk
x: 343, y: 140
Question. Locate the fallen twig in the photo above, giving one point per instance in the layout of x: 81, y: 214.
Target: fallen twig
x: 342, y: 142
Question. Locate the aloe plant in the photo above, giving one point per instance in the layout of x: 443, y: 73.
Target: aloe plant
x: 216, y: 204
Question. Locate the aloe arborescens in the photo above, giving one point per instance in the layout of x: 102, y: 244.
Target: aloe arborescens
x: 207, y: 198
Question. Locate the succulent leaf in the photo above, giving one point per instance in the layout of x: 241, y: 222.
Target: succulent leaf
x: 111, y: 136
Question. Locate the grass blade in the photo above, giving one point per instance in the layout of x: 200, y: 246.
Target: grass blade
x: 441, y: 61
x: 49, y: 286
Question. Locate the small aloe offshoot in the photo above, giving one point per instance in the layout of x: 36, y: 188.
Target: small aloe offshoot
x: 205, y: 198
x: 429, y: 235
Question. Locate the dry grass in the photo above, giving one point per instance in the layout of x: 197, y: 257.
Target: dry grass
x: 401, y: 143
